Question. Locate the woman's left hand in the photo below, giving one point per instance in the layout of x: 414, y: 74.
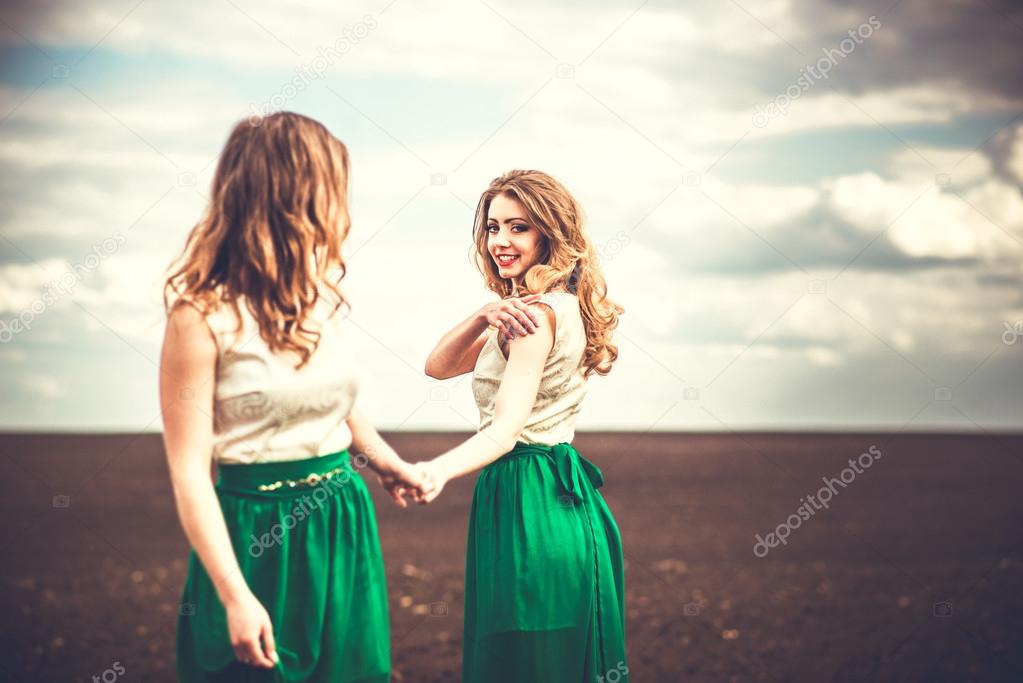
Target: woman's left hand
x: 405, y: 480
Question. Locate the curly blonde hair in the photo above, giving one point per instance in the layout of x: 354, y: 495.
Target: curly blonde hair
x: 273, y: 230
x: 567, y: 258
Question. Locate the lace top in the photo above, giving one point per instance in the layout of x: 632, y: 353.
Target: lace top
x: 264, y: 409
x: 562, y: 385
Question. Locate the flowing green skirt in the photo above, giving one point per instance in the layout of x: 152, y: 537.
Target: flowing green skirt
x: 544, y: 581
x: 311, y: 555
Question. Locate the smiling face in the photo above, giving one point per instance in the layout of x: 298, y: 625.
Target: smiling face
x: 512, y: 242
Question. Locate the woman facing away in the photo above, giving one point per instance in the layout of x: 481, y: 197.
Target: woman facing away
x: 544, y: 583
x: 285, y: 577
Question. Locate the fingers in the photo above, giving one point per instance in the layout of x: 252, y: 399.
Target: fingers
x: 426, y: 485
x: 269, y: 645
x: 431, y: 495
x: 515, y: 318
x: 517, y: 323
x: 511, y: 325
x: 398, y: 493
x: 250, y: 652
x: 527, y: 315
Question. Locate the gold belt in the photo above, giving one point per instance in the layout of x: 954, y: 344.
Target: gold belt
x: 309, y: 480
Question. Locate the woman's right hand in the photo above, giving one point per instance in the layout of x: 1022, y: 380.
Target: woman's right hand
x: 512, y: 315
x: 433, y: 481
x: 248, y: 623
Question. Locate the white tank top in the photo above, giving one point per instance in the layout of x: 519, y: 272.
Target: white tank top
x: 265, y: 410
x: 562, y: 385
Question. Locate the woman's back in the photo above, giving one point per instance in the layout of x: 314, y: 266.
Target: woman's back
x: 264, y: 409
x: 562, y: 385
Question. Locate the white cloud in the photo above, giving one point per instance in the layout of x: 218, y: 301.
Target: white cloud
x: 22, y: 285
x: 924, y: 220
x: 42, y: 386
x: 822, y: 355
x: 1015, y: 163
x: 822, y: 108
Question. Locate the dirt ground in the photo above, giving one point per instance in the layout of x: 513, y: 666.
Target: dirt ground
x: 914, y: 571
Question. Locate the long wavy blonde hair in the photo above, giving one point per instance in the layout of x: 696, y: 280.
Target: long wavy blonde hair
x: 567, y: 259
x: 273, y: 230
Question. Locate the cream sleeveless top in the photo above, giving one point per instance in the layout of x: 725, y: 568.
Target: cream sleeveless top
x: 264, y: 410
x: 562, y: 385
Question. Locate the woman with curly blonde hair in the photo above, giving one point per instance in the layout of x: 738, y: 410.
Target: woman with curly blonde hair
x: 285, y: 577
x: 544, y: 581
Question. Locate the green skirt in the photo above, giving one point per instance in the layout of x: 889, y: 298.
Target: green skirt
x: 544, y: 581
x: 305, y: 536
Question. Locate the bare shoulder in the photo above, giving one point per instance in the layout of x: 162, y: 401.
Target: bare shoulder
x: 548, y: 307
x: 553, y: 303
x: 188, y: 331
x: 539, y: 343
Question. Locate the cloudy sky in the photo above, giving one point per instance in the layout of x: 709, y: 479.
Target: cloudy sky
x: 811, y: 211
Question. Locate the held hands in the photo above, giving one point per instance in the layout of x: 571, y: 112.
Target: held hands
x: 433, y: 480
x: 422, y: 481
x: 407, y: 479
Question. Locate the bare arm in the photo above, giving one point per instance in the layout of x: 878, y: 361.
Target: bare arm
x: 396, y: 475
x: 457, y: 351
x: 187, y: 372
x: 516, y: 395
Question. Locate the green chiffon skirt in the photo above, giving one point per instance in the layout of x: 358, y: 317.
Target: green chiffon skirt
x: 311, y: 555
x: 544, y: 581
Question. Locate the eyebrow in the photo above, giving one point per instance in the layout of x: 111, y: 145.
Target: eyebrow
x: 507, y: 220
